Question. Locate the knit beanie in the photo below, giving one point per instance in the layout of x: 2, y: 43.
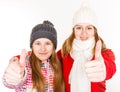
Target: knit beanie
x: 85, y: 15
x: 44, y: 30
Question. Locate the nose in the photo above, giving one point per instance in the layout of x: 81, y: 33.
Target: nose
x: 42, y: 47
x: 84, y: 32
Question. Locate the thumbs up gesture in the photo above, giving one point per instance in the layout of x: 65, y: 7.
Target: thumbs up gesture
x: 95, y: 69
x: 14, y: 72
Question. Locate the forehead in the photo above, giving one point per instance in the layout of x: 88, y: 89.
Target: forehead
x: 43, y: 39
x: 84, y: 24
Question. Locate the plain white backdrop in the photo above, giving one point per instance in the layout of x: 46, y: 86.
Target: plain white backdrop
x: 17, y: 17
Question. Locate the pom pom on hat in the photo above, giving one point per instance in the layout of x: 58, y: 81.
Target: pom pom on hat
x: 44, y: 30
x: 85, y: 15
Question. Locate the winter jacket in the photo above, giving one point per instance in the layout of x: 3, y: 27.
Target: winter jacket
x: 26, y: 84
x: 109, y: 60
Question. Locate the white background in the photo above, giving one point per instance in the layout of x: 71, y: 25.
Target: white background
x: 17, y: 17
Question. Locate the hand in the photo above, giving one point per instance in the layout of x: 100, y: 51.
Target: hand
x: 95, y: 69
x: 15, y: 71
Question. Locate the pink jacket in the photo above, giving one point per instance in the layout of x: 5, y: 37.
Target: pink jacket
x: 26, y: 84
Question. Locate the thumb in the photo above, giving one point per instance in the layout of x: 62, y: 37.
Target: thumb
x: 23, y: 57
x: 98, y: 50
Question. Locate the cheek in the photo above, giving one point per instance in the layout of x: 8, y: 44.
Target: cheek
x: 50, y: 50
x: 91, y: 34
x: 77, y: 34
x: 35, y: 50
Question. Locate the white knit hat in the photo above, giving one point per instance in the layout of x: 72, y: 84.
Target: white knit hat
x: 85, y: 15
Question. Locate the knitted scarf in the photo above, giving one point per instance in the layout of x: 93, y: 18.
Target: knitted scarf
x: 81, y: 53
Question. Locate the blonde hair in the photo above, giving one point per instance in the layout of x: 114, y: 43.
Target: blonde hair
x: 37, y: 77
x: 67, y: 45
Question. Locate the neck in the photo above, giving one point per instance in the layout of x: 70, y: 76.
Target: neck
x: 83, y: 45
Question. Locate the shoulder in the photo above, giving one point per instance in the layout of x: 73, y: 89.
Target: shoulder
x: 59, y: 51
x: 59, y: 54
x: 108, y: 52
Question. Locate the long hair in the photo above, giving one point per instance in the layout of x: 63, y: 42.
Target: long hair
x: 39, y: 81
x: 67, y: 45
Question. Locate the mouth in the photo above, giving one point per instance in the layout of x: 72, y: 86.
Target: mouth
x: 84, y: 38
x: 42, y: 53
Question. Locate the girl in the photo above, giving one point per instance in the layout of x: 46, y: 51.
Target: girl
x: 40, y: 69
x: 87, y: 63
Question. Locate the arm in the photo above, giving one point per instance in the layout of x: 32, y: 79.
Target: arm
x: 109, y: 59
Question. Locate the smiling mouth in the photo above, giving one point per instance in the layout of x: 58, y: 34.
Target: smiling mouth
x: 83, y: 39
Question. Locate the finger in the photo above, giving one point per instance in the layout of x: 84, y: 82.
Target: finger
x: 96, y: 77
x: 92, y: 64
x: 13, y: 73
x: 23, y: 57
x: 94, y: 69
x: 13, y: 59
x: 16, y: 68
x: 12, y: 78
x: 98, y: 49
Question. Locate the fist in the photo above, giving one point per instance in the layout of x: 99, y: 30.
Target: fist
x: 14, y: 72
x: 95, y: 69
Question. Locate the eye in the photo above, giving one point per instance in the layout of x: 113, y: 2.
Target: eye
x: 37, y: 43
x: 89, y: 28
x: 48, y: 43
x: 78, y: 27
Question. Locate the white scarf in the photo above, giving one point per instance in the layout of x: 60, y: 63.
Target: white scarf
x: 82, y: 52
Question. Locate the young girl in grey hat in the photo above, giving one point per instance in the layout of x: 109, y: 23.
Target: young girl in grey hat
x: 40, y: 69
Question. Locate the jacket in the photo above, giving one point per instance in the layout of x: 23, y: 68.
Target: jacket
x: 26, y: 84
x: 109, y: 60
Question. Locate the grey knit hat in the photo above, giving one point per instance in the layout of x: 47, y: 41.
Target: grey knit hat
x: 44, y: 30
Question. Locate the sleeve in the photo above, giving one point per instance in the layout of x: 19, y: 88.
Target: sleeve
x: 109, y: 59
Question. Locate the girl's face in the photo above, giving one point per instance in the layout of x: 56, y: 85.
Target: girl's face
x: 84, y: 31
x: 43, y: 48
